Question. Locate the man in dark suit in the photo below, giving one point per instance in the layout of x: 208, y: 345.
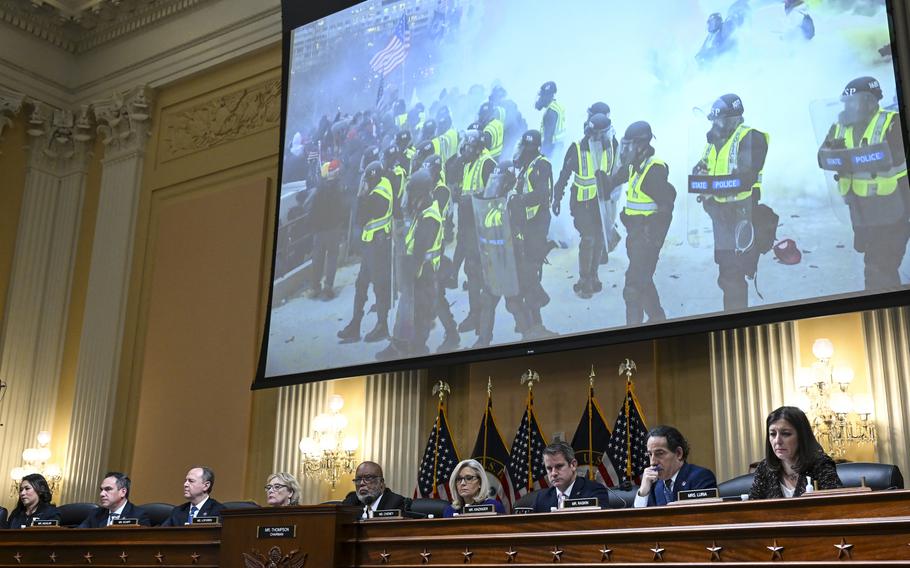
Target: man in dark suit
x: 559, y: 461
x: 669, y: 473
x: 197, y: 487
x: 114, y: 501
x: 371, y: 493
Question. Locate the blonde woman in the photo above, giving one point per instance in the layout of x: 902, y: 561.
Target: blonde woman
x: 281, y: 490
x: 469, y: 486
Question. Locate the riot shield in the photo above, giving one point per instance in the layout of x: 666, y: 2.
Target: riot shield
x: 699, y: 226
x: 404, y: 314
x: 494, y: 239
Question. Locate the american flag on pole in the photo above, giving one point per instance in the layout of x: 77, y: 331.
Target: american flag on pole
x: 525, y: 457
x: 628, y: 446
x: 394, y: 53
x: 591, y: 438
x: 439, y: 459
x: 490, y: 450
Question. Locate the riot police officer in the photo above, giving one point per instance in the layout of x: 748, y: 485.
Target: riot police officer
x: 375, y: 205
x: 733, y: 149
x: 591, y: 160
x: 534, y: 190
x: 553, y: 121
x: 646, y: 216
x: 492, y: 129
x: 879, y: 196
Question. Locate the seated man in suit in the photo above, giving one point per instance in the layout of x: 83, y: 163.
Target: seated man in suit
x: 114, y: 501
x: 370, y: 491
x: 197, y: 487
x: 559, y: 461
x: 668, y: 451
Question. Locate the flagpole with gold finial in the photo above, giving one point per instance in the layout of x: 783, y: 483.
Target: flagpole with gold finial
x: 486, y: 419
x: 626, y: 367
x: 530, y: 377
x: 441, y: 389
x: 590, y: 475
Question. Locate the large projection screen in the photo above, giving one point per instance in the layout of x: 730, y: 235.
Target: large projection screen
x: 776, y: 125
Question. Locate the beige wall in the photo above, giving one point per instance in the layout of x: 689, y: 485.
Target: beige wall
x: 12, y: 188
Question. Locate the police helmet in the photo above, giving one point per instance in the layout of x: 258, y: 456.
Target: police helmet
x: 471, y: 144
x: 715, y: 22
x: 371, y: 154
x: 403, y: 139
x: 548, y: 88
x: 639, y: 131
x: 485, y: 112
x: 420, y: 184
x: 433, y: 163
x: 597, y: 122
x: 599, y: 108
x: 426, y: 149
x: 429, y: 129
x: 530, y: 139
x: 497, y: 94
x: 863, y: 85
x: 398, y: 106
x: 725, y: 106
x: 443, y: 112
x: 391, y: 155
x: 373, y: 173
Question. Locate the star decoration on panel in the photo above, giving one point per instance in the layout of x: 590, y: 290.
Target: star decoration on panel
x: 385, y: 557
x: 123, y: 556
x: 468, y: 555
x: 511, y: 554
x: 658, y: 553
x: 715, y: 551
x: 18, y: 557
x: 195, y: 556
x: 557, y: 554
x: 159, y: 557
x: 844, y: 549
x: 88, y: 557
x: 425, y: 556
x: 776, y: 551
x: 53, y: 557
x: 606, y: 553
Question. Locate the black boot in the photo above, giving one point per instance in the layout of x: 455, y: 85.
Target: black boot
x: 351, y: 332
x: 379, y: 332
x: 450, y: 343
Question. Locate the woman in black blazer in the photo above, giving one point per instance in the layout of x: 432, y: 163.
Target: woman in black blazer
x: 34, y: 502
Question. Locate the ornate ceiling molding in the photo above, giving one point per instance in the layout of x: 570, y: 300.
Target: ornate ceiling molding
x: 77, y: 26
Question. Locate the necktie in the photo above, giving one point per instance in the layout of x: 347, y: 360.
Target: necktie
x: 560, y: 499
x: 193, y: 510
x: 668, y: 484
x: 112, y: 517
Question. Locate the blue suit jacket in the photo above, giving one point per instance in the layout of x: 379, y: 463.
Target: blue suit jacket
x: 181, y: 513
x: 689, y: 477
x: 98, y: 519
x: 546, y: 498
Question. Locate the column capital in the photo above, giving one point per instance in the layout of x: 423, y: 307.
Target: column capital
x: 10, y: 104
x: 124, y: 120
x: 61, y: 138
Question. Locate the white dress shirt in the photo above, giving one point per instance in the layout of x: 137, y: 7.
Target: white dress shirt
x: 642, y: 501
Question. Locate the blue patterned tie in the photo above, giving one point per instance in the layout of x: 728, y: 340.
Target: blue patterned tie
x: 193, y: 510
x: 668, y: 488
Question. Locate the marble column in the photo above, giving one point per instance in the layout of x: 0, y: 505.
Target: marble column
x: 39, y: 292
x: 123, y: 126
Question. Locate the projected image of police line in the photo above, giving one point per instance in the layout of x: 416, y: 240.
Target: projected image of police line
x: 568, y: 232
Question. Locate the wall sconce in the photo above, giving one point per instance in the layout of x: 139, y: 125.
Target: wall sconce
x: 329, y: 453
x: 828, y: 405
x: 36, y: 461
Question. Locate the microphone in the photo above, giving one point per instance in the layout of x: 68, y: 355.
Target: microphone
x: 611, y: 491
x: 492, y: 492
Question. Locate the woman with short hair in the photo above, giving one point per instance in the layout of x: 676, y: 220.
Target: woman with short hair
x: 282, y: 490
x: 469, y: 486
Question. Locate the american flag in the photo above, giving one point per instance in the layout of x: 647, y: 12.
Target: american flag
x: 525, y: 457
x: 490, y: 450
x: 394, y: 53
x: 439, y: 459
x: 628, y: 446
x: 591, y: 438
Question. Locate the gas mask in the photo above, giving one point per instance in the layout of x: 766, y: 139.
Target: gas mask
x: 858, y: 109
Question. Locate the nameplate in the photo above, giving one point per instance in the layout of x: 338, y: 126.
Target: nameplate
x: 124, y: 522
x: 279, y: 531
x: 482, y: 509
x: 583, y: 503
x: 522, y: 510
x: 836, y: 491
x: 387, y: 514
x: 206, y: 520
x: 715, y: 185
x: 45, y: 523
x: 693, y: 494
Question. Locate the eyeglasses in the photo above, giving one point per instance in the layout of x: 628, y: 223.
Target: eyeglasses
x: 366, y: 479
x: 275, y: 487
x: 466, y: 478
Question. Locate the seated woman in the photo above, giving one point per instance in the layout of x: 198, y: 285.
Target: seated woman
x: 469, y: 486
x: 281, y: 490
x: 34, y: 502
x: 793, y: 458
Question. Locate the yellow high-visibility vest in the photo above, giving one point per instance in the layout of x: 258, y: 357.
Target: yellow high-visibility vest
x: 637, y: 201
x: 722, y: 162
x: 864, y: 184
x: 383, y: 222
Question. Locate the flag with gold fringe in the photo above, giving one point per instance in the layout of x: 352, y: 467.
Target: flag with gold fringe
x: 628, y: 445
x: 439, y: 459
x: 490, y: 450
x: 592, y: 437
x: 526, y: 454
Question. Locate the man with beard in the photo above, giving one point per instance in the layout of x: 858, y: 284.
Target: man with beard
x: 370, y: 491
x: 739, y: 150
x: 591, y: 160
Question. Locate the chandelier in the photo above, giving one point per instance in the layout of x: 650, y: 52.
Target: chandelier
x: 838, y: 419
x: 35, y: 460
x: 329, y: 454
